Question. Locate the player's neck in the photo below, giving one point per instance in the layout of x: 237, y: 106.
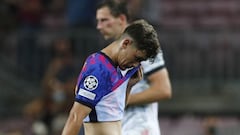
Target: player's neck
x: 112, y: 51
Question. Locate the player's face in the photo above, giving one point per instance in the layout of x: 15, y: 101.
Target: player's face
x: 109, y: 26
x: 131, y: 57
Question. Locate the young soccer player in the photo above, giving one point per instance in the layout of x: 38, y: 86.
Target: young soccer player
x: 102, y: 88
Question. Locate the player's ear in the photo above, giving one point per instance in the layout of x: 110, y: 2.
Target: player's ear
x: 126, y: 42
x: 123, y: 18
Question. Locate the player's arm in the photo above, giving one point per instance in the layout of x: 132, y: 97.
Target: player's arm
x: 160, y: 88
x: 75, y: 119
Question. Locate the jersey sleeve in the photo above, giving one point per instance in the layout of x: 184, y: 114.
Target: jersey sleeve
x: 94, y: 83
x: 151, y: 67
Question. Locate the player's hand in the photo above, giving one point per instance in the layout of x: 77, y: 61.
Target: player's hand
x: 137, y: 76
x: 133, y: 80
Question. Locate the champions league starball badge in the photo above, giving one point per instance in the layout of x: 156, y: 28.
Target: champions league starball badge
x: 90, y: 82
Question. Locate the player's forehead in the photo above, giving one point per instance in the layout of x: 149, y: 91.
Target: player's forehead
x: 104, y: 12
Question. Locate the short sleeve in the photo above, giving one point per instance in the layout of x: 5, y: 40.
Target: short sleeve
x: 94, y: 83
x: 151, y: 67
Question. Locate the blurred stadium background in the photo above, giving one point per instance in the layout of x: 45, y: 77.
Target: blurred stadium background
x: 200, y: 40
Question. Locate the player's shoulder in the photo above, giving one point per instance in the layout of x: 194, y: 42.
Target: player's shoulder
x: 98, y: 62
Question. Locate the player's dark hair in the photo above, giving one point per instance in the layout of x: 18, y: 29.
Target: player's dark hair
x: 145, y: 36
x: 116, y: 8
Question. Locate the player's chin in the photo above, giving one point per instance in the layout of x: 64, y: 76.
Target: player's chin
x: 106, y: 37
x: 122, y: 67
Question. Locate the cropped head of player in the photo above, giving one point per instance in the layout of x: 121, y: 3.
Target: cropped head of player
x: 112, y: 18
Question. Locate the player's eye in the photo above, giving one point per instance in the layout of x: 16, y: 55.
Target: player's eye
x: 102, y: 20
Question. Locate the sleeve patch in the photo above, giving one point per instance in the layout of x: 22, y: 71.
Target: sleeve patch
x: 90, y: 82
x: 86, y: 94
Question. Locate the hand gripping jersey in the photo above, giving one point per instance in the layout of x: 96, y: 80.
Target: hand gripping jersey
x: 102, y: 87
x: 143, y: 119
